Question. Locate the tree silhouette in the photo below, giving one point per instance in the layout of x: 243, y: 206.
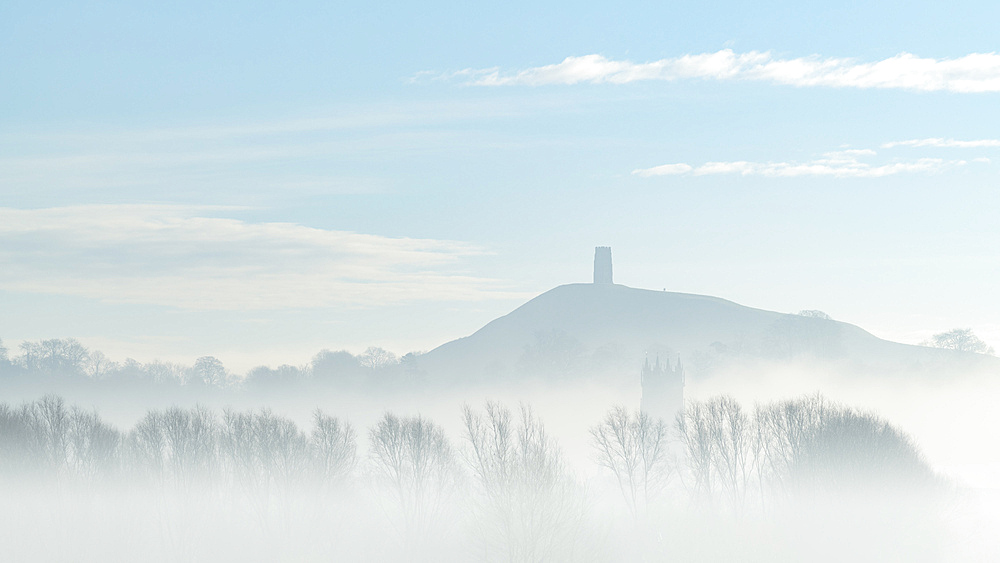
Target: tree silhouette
x: 412, y: 457
x: 527, y: 509
x: 209, y: 370
x: 95, y: 446
x: 375, y: 358
x: 334, y: 447
x: 961, y: 339
x: 54, y: 356
x: 633, y: 447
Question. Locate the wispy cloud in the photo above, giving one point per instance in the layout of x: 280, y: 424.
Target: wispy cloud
x: 976, y: 72
x: 664, y: 170
x: 839, y: 164
x: 352, y: 149
x: 945, y: 143
x: 193, y: 258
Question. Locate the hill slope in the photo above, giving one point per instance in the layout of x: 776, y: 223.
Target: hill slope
x: 581, y: 330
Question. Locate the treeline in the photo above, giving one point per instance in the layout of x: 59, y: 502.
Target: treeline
x: 502, y: 490
x: 716, y: 453
x: 66, y: 361
x: 45, y: 440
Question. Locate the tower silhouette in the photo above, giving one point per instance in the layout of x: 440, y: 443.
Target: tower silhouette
x: 662, y: 390
x: 602, y: 265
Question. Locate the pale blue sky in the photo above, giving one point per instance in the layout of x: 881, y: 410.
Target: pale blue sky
x: 261, y: 180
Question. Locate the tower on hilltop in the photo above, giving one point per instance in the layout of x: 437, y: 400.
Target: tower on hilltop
x: 662, y: 390
x: 602, y: 264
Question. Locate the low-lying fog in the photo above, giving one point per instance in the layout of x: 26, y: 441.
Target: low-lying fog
x: 784, y: 463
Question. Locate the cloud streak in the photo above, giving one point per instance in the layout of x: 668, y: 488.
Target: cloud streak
x: 945, y: 143
x: 840, y: 164
x: 346, y: 149
x: 973, y: 73
x: 191, y: 258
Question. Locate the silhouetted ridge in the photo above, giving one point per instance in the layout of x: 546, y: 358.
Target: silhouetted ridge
x: 606, y: 330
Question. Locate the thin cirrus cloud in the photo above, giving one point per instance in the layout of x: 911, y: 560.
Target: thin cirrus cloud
x: 191, y: 258
x: 839, y: 164
x: 975, y: 72
x: 944, y: 143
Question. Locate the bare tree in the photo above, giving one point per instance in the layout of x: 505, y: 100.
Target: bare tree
x: 412, y: 458
x: 48, y: 439
x: 334, y: 447
x: 50, y: 418
x: 284, y: 449
x: 633, y: 447
x: 961, y: 339
x: 783, y: 429
x: 375, y: 358
x: 528, y: 510
x: 722, y: 450
x: 176, y: 446
x: 99, y: 365
x: 810, y: 445
x: 54, y: 356
x: 694, y: 428
x: 737, y: 454
x: 95, y: 446
x: 209, y: 370
x: 263, y: 450
x: 191, y: 440
x: 23, y: 445
x: 147, y: 447
x: 857, y: 452
x: 266, y: 458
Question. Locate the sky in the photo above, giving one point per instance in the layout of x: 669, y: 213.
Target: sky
x: 258, y: 181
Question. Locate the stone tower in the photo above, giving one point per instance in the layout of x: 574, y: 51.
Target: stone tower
x: 602, y: 264
x: 662, y: 390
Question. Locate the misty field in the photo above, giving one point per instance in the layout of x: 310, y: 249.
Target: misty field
x: 793, y: 480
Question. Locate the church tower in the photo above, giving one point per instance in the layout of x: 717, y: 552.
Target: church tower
x: 662, y: 390
x: 602, y: 265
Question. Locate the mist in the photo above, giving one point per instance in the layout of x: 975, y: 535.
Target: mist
x: 518, y: 282
x: 368, y: 458
x: 193, y: 483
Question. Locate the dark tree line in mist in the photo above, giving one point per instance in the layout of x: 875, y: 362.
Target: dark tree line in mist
x: 725, y: 456
x: 67, y: 361
x: 179, y: 448
x: 717, y: 451
x: 502, y: 484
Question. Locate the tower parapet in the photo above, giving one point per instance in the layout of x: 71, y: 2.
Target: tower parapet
x: 602, y: 265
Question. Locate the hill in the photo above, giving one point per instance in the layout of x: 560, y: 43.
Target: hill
x: 607, y: 330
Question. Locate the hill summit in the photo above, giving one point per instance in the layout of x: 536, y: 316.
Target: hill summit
x: 606, y: 330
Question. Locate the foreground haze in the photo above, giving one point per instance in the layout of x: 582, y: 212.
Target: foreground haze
x: 781, y: 443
